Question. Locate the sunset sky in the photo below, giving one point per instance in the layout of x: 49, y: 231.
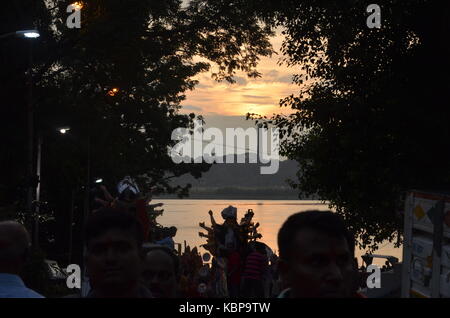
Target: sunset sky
x: 225, y: 105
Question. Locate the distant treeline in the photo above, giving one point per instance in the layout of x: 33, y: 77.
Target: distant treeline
x: 270, y: 193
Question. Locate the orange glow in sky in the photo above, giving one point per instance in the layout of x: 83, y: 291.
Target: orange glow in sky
x: 78, y: 5
x: 261, y: 95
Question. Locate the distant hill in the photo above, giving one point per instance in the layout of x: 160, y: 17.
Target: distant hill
x: 243, y: 181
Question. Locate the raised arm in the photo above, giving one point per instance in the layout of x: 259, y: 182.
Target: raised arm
x: 157, y: 205
x: 102, y: 202
x: 213, y: 222
x: 203, y: 226
x: 108, y: 195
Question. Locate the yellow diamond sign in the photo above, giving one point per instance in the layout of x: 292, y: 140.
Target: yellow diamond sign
x: 419, y: 212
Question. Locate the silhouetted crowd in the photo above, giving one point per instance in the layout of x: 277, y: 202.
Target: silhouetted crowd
x: 316, y: 259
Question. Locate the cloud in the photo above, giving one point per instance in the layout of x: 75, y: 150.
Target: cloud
x: 190, y: 107
x: 254, y: 96
x: 240, y: 80
x: 260, y: 95
x: 285, y: 79
x: 233, y: 90
x: 272, y: 73
x: 203, y: 85
x: 223, y: 122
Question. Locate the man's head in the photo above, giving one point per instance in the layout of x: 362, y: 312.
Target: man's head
x: 260, y: 248
x: 173, y: 231
x: 113, y: 240
x: 316, y: 255
x: 14, y: 247
x: 160, y: 271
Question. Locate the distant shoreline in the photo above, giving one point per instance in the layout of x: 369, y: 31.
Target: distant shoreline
x: 241, y: 193
x: 233, y: 197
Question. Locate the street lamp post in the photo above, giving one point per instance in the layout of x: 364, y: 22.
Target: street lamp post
x: 63, y: 131
x: 38, y: 190
x: 88, y: 178
x: 72, y: 203
x: 30, y: 121
x: 29, y: 34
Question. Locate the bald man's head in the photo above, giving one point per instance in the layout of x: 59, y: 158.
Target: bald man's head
x: 14, y: 246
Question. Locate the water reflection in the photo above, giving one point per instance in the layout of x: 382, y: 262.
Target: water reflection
x: 186, y: 214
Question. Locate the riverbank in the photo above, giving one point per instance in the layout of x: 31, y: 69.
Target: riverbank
x: 241, y: 193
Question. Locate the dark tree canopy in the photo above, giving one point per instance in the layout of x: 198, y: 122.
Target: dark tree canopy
x: 371, y: 118
x: 148, y: 51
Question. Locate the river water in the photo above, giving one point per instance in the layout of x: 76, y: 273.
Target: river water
x: 186, y: 214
